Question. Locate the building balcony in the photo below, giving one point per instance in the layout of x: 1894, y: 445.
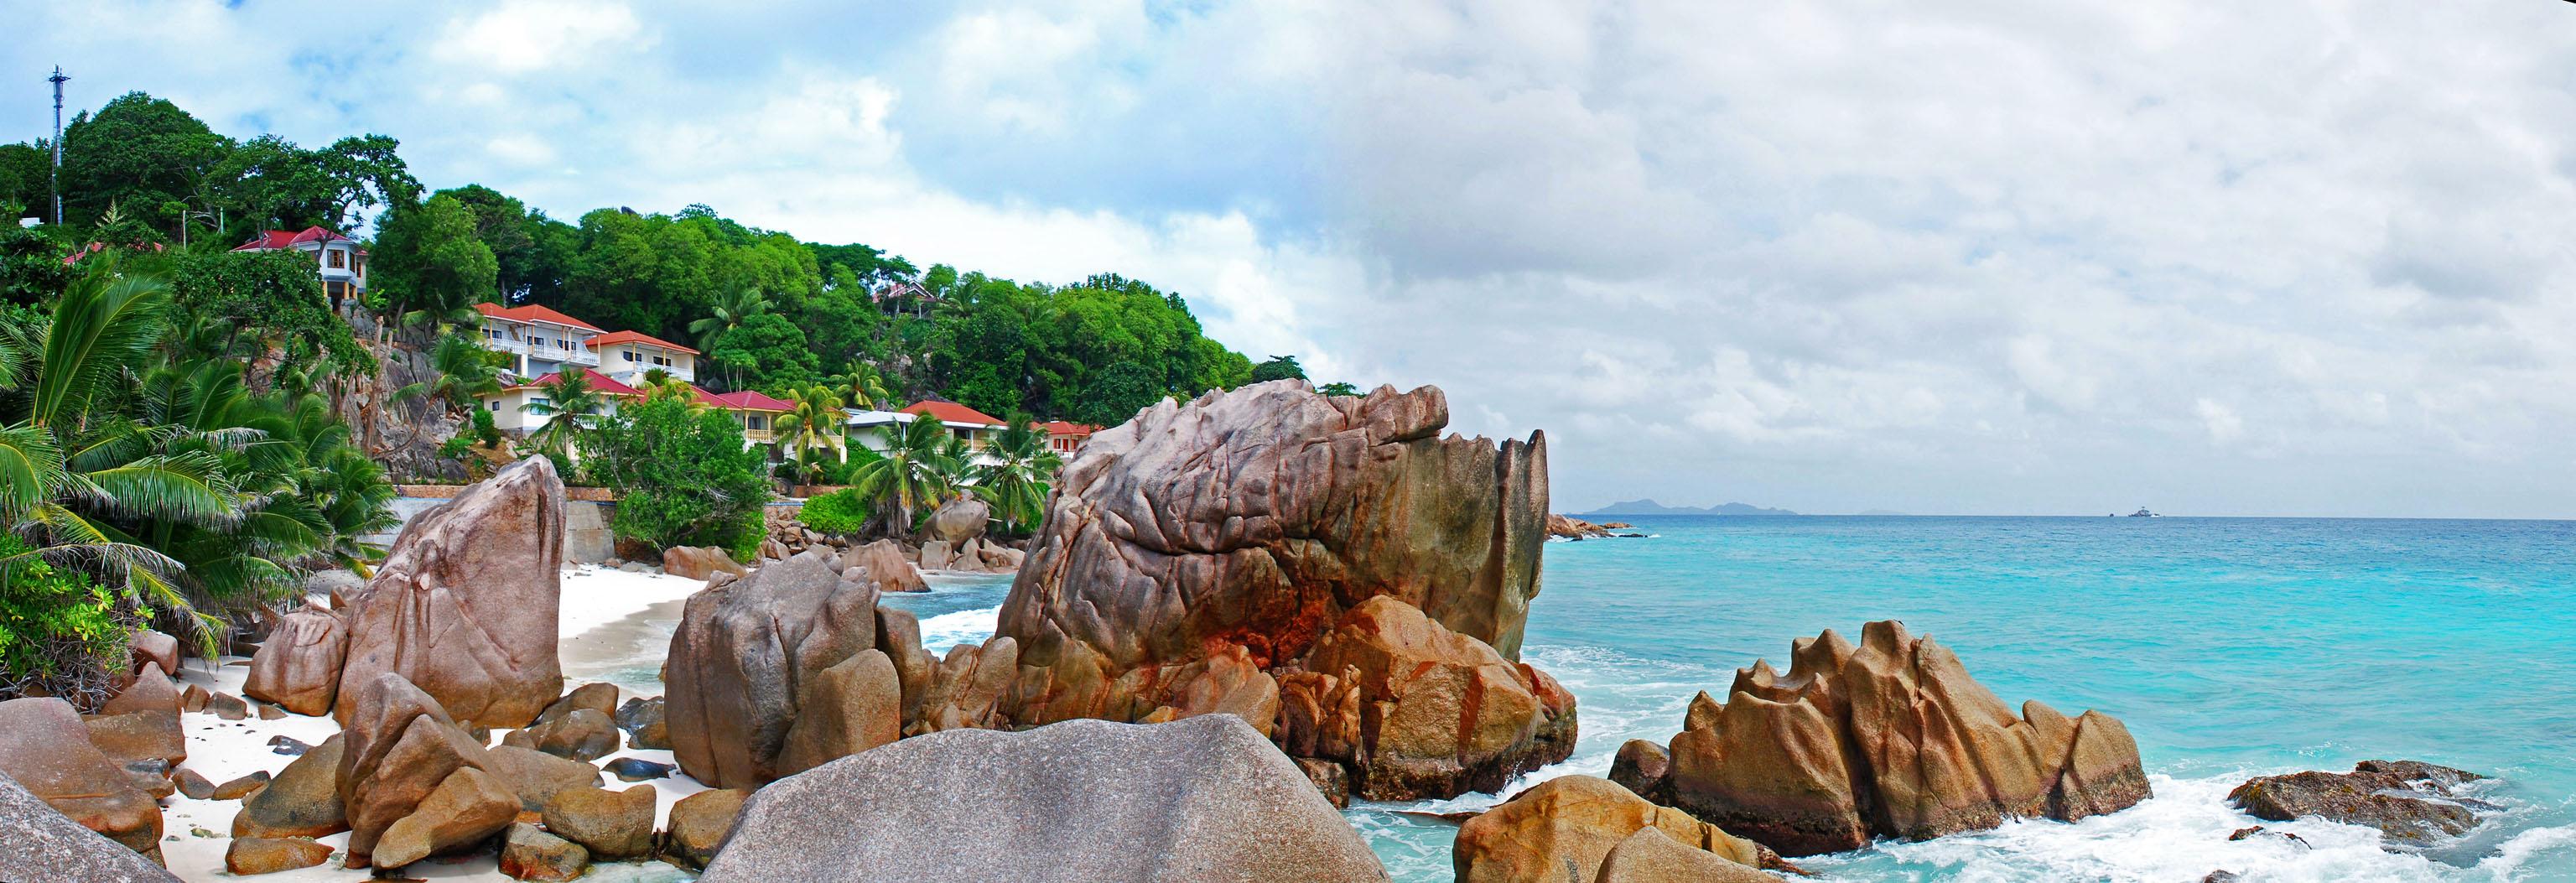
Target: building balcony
x: 505, y: 345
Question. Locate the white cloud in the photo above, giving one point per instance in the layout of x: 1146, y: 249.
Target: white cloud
x: 524, y: 36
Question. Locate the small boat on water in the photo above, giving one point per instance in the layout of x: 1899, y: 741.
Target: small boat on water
x: 2142, y: 513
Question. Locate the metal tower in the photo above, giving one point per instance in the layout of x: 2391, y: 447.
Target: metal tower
x: 56, y: 184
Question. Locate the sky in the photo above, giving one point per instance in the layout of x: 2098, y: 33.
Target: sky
x: 1977, y: 257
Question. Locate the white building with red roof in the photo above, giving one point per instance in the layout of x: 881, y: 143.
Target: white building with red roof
x: 626, y: 355
x: 342, y: 264
x: 510, y: 407
x: 543, y: 340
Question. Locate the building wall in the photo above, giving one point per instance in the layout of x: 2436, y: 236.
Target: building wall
x: 622, y: 359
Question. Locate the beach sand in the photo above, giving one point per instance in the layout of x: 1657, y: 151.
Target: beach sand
x: 614, y: 627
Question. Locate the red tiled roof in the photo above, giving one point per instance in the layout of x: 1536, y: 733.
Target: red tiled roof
x: 598, y: 381
x: 274, y: 240
x: 534, y: 313
x: 1060, y: 427
x: 746, y: 400
x: 615, y: 337
x: 952, y: 412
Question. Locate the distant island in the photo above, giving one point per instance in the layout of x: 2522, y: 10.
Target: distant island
x: 1650, y: 507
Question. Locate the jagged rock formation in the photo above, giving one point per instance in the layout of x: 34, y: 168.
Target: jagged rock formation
x: 1890, y: 738
x: 404, y: 436
x: 1564, y: 828
x: 411, y: 780
x: 2411, y: 802
x: 465, y: 604
x: 1419, y: 711
x: 298, y: 667
x: 1202, y: 799
x: 1193, y: 558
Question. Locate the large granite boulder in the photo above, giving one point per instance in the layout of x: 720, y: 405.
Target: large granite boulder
x: 1891, y: 738
x: 536, y: 776
x: 46, y: 749
x: 1419, y: 711
x: 885, y: 562
x: 44, y: 844
x: 158, y: 648
x: 848, y: 708
x: 612, y: 825
x: 139, y: 729
x: 465, y: 604
x: 1201, y: 799
x: 298, y: 667
x: 2411, y: 802
x: 1257, y: 517
x: 1563, y: 829
x: 399, y: 754
x: 965, y: 690
x: 1651, y: 856
x: 302, y: 801
x: 699, y: 562
x: 699, y: 824
x: 957, y: 521
x: 743, y: 655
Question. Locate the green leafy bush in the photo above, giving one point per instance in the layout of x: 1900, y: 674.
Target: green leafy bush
x: 61, y: 634
x: 684, y: 476
x: 838, y: 512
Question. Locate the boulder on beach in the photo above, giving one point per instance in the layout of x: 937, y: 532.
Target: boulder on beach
x: 1205, y: 798
x: 957, y: 521
x: 848, y: 708
x: 612, y: 825
x: 742, y: 654
x: 699, y: 562
x: 1891, y: 738
x: 885, y: 562
x: 1563, y: 829
x: 2412, y: 803
x: 536, y: 776
x: 699, y: 823
x: 642, y: 720
x: 399, y: 753
x: 466, y: 602
x: 44, y: 844
x: 139, y: 729
x: 302, y: 800
x: 247, y: 856
x: 46, y: 749
x: 529, y: 853
x: 298, y: 667
x: 966, y: 688
x: 157, y: 648
x: 1445, y: 714
x: 466, y: 808
x: 584, y: 734
x: 1258, y: 517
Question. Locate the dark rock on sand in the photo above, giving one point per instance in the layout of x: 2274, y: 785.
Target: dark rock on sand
x: 43, y: 844
x: 699, y: 823
x: 597, y: 697
x: 636, y: 769
x: 241, y: 787
x: 582, y: 734
x: 1890, y: 738
x: 1196, y: 799
x: 269, y: 855
x: 190, y: 783
x: 642, y: 720
x: 2413, y: 803
x: 529, y: 853
x: 228, y: 707
x: 287, y: 745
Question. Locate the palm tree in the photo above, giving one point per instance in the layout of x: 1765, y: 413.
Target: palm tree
x: 728, y: 315
x: 919, y: 465
x: 465, y: 373
x: 813, y: 423
x: 861, y: 386
x: 1013, y: 478
x: 660, y: 384
x: 574, y: 404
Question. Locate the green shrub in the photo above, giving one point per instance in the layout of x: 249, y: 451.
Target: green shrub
x: 684, y: 477
x: 61, y: 634
x: 838, y: 512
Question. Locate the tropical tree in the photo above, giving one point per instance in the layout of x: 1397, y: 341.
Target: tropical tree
x: 463, y: 372
x: 661, y: 385
x: 572, y: 407
x: 727, y: 315
x: 862, y: 386
x: 814, y: 423
x: 920, y: 464
x: 1015, y: 473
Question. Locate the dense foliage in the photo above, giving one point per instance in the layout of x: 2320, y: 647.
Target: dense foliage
x: 685, y: 477
x: 60, y: 631
x: 842, y: 512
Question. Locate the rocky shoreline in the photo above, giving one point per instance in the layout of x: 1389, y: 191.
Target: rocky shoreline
x: 1239, y: 613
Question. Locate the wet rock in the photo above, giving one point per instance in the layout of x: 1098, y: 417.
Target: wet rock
x: 642, y: 719
x: 228, y: 707
x: 613, y: 825
x: 46, y: 749
x: 298, y: 667
x: 1084, y: 800
x: 1447, y: 714
x: 465, y: 604
x: 699, y: 823
x: 1640, y: 766
x: 886, y: 565
x: 43, y: 844
x: 699, y: 562
x: 1652, y: 856
x: 287, y: 745
x: 2221, y: 877
x: 241, y: 787
x: 850, y: 707
x: 1890, y: 738
x: 535, y: 776
x: 2412, y: 803
x: 740, y: 655
x: 635, y: 769
x: 582, y: 734
x: 269, y: 855
x: 466, y: 808
x: 302, y: 801
x: 1563, y: 828
x: 1331, y: 778
x: 529, y: 853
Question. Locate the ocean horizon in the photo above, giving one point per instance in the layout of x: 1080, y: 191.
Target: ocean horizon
x: 2231, y: 647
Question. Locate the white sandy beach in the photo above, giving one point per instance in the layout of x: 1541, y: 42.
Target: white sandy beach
x: 611, y: 621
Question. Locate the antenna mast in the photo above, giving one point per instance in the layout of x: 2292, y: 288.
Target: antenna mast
x: 57, y: 181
